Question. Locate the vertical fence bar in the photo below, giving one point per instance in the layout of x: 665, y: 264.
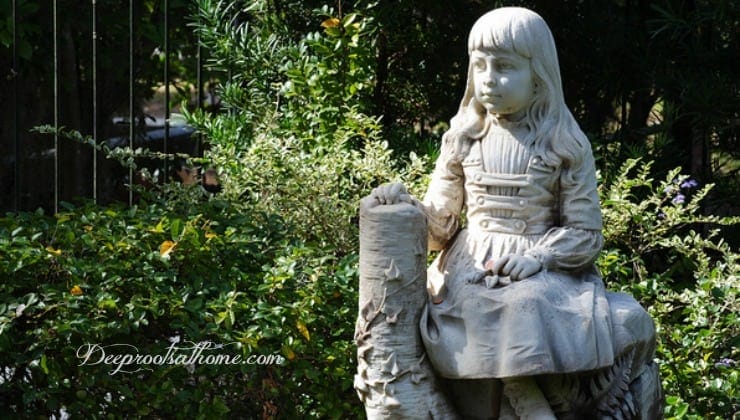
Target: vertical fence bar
x: 623, y: 123
x: 131, y: 97
x: 199, y: 74
x: 230, y: 71
x: 16, y: 140
x: 166, y: 85
x: 199, y: 81
x: 56, y: 107
x: 95, y: 99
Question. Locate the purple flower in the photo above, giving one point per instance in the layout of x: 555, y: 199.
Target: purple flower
x: 661, y: 215
x: 689, y: 184
x: 669, y: 189
x: 679, y: 199
x: 725, y: 363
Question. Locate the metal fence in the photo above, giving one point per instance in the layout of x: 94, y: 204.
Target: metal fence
x: 89, y: 67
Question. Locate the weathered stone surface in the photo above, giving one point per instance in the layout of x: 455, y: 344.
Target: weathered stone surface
x: 394, y: 379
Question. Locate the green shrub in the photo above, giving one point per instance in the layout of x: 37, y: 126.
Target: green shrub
x: 661, y: 249
x: 143, y: 275
x: 308, y: 150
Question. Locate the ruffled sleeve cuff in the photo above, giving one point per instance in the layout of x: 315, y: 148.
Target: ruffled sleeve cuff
x: 567, y: 249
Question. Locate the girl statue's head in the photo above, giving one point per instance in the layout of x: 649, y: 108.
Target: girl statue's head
x: 521, y: 32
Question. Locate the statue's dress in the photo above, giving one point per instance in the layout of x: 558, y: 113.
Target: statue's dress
x: 558, y: 320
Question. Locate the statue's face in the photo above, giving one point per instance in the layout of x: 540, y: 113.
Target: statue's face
x: 504, y: 83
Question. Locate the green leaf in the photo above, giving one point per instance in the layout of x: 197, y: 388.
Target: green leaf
x: 176, y: 229
x: 43, y: 364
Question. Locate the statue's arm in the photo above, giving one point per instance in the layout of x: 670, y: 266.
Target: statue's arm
x: 444, y: 199
x: 577, y: 241
x: 569, y: 249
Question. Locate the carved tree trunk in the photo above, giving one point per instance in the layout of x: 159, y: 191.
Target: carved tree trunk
x: 394, y: 379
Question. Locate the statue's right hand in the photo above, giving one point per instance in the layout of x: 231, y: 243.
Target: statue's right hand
x: 392, y: 193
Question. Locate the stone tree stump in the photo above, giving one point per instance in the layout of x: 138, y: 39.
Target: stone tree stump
x: 394, y: 378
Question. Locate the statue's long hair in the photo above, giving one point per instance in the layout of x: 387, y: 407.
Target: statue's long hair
x: 554, y: 132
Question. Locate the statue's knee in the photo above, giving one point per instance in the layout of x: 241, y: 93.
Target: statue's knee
x: 633, y: 330
x: 628, y: 315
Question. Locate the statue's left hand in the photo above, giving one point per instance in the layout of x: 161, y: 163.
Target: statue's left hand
x: 517, y: 267
x: 392, y: 193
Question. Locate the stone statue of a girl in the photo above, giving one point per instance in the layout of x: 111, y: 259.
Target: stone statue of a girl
x: 514, y: 295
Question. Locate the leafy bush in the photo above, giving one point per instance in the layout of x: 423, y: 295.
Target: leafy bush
x: 144, y: 277
x: 308, y: 149
x: 661, y: 249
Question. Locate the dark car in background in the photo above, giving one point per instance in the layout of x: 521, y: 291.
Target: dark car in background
x: 180, y: 140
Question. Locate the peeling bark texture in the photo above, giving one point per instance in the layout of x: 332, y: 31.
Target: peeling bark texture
x: 394, y: 378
